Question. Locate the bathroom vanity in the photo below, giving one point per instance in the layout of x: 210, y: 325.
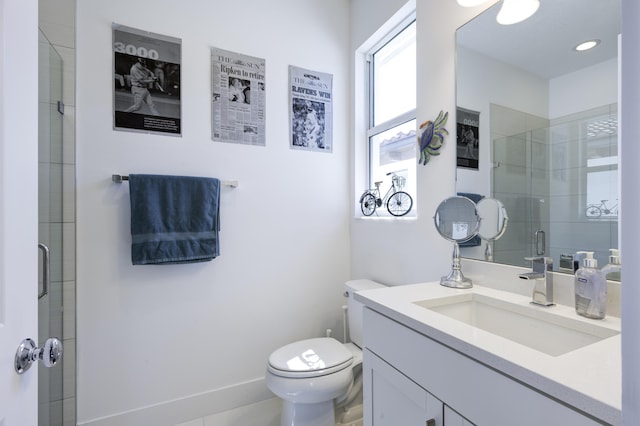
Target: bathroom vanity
x: 440, y: 356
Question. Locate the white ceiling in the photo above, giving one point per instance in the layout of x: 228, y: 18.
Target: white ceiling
x: 543, y: 44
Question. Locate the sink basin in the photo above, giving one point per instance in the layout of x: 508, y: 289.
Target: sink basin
x: 537, y: 328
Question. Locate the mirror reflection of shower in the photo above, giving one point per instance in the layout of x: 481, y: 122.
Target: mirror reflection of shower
x: 559, y: 182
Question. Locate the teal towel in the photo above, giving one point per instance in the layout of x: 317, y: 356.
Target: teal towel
x: 174, y: 219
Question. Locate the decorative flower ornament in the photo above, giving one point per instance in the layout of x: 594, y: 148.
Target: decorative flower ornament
x: 431, y: 137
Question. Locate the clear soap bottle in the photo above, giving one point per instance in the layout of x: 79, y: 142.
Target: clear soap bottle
x: 590, y: 288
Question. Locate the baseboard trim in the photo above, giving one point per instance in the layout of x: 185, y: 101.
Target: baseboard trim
x: 192, y: 407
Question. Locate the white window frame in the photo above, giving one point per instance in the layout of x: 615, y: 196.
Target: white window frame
x: 374, y: 130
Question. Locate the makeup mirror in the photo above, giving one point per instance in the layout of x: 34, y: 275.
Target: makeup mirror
x: 493, y: 223
x: 493, y: 219
x: 457, y: 220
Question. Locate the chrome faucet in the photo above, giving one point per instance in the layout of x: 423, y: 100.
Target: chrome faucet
x: 541, y: 268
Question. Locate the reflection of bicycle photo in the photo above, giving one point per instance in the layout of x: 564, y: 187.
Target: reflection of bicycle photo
x: 397, y: 201
x: 597, y: 210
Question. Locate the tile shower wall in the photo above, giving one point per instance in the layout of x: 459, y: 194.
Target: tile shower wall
x: 584, y: 171
x: 57, y: 22
x: 543, y: 180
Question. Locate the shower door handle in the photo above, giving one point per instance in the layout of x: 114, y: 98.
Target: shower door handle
x: 45, y: 270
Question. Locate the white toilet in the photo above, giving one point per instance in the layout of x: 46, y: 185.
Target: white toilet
x: 312, y: 375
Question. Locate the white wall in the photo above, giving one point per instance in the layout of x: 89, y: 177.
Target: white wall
x: 401, y: 251
x: 630, y: 176
x: 165, y: 344
x: 591, y: 87
x: 114, y: 297
x: 482, y: 82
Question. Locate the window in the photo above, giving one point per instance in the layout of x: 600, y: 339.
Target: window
x: 392, y: 110
x: 601, y: 150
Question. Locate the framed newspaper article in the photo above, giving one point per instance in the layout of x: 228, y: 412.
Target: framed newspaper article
x: 467, y: 143
x: 238, y: 98
x: 311, y: 110
x: 146, y: 91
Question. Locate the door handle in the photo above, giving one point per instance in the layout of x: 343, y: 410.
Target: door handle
x: 50, y: 353
x: 45, y: 270
x: 431, y: 422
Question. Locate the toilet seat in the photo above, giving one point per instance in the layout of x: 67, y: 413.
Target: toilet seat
x: 310, y: 358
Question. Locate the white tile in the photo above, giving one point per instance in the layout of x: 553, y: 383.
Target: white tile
x: 55, y: 251
x: 69, y: 256
x: 69, y: 412
x: 68, y: 193
x: 69, y: 368
x: 265, y: 413
x: 55, y: 133
x: 197, y: 422
x: 44, y: 132
x: 68, y: 75
x: 44, y: 193
x: 59, y: 35
x: 43, y: 414
x: 55, y: 188
x: 55, y: 308
x: 69, y: 315
x: 57, y: 20
x: 68, y: 135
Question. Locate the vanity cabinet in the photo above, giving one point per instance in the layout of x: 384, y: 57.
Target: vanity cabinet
x: 410, y: 378
x: 393, y: 399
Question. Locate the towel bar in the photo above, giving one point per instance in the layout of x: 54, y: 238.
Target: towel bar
x: 229, y: 183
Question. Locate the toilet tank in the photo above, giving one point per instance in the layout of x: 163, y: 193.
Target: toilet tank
x: 354, y: 310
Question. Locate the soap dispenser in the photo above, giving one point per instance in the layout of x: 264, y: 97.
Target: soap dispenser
x: 590, y: 288
x: 614, y: 267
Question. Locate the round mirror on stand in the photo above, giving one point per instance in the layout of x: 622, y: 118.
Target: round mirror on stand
x: 493, y: 223
x: 457, y: 220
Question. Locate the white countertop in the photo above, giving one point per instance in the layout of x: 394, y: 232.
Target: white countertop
x: 588, y: 378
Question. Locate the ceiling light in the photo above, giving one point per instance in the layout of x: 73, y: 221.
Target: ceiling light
x: 587, y: 45
x: 470, y: 3
x: 514, y: 11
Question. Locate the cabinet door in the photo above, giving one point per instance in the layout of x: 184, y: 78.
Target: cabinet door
x: 451, y: 418
x: 392, y: 399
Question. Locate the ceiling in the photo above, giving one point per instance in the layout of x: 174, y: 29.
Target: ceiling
x: 543, y: 44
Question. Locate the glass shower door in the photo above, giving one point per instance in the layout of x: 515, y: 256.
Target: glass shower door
x: 50, y: 380
x: 521, y: 181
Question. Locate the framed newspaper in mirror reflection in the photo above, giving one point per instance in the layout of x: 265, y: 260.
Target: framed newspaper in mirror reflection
x: 238, y: 98
x: 311, y: 110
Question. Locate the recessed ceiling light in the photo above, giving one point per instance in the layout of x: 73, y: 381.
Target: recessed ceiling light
x: 586, y: 45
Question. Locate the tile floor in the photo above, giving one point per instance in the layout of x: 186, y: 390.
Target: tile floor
x: 265, y: 413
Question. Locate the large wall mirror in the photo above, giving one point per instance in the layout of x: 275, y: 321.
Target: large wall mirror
x: 537, y: 126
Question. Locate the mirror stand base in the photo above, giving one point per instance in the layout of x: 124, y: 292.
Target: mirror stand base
x: 456, y: 280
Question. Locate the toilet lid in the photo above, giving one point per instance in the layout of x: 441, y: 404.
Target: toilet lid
x: 310, y: 358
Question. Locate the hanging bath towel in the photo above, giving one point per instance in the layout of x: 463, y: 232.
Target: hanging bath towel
x: 174, y: 219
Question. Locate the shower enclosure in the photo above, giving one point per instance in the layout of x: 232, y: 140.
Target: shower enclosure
x: 560, y: 186
x: 50, y: 235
